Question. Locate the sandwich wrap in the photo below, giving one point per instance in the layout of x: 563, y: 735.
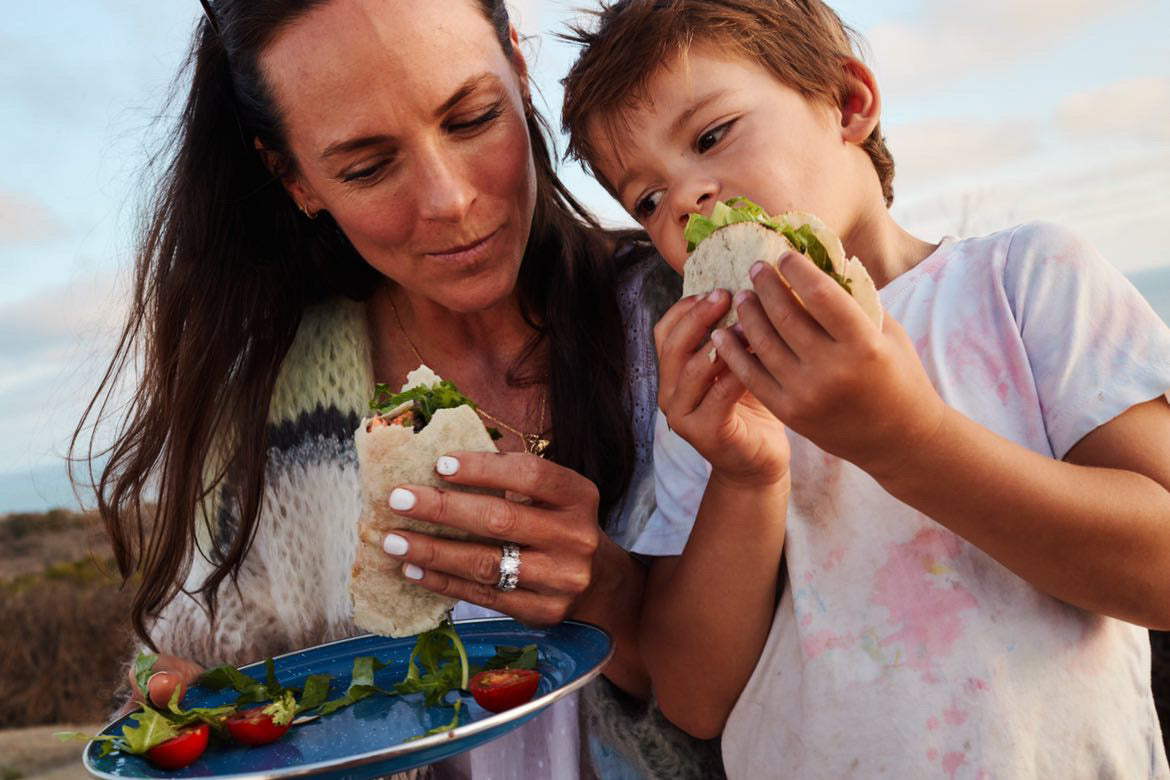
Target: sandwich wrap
x: 724, y: 247
x: 390, y: 453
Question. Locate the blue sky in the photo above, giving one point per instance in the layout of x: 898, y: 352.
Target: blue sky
x: 997, y: 112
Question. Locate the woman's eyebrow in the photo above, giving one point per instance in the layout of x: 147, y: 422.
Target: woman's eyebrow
x: 465, y: 89
x: 468, y: 87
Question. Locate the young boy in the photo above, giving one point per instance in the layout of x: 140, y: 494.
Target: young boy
x: 978, y: 513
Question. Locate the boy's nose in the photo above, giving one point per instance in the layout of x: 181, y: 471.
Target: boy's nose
x: 698, y: 195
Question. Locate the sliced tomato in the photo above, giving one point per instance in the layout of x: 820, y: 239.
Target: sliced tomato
x: 179, y: 751
x: 254, y: 727
x: 497, y: 690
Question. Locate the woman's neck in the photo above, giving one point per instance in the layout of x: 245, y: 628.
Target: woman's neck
x: 475, y: 350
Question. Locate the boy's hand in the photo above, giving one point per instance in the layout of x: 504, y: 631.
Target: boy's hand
x: 707, y: 405
x: 824, y: 369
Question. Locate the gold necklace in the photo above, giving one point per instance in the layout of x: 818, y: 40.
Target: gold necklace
x: 534, y: 443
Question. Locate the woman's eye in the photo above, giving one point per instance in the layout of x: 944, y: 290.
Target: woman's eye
x: 362, y: 174
x: 476, y: 122
x: 712, y: 137
x: 646, y: 206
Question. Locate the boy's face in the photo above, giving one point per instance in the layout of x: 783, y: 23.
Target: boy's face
x: 712, y: 128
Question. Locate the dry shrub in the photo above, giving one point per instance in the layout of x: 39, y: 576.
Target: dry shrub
x: 64, y: 641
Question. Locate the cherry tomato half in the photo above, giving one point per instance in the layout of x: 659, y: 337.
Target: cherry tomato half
x: 497, y: 690
x: 179, y: 751
x: 253, y: 727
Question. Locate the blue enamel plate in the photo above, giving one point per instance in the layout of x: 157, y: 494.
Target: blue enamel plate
x: 381, y: 734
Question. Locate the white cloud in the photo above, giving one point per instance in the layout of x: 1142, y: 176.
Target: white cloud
x: 23, y: 219
x: 54, y: 345
x: 926, y: 152
x: 1135, y: 109
x: 949, y: 39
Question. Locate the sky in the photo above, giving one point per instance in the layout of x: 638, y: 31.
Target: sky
x: 996, y: 112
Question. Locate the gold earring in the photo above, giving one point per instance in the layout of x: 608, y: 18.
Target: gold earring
x: 305, y: 210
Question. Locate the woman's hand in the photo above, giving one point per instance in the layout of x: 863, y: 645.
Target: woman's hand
x: 823, y: 368
x: 554, y: 524
x: 707, y: 405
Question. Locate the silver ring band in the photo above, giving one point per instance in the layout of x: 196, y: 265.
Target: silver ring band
x: 509, y: 566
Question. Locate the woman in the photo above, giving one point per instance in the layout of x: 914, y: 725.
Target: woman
x: 359, y: 186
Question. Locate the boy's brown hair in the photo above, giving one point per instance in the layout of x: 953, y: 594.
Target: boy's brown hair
x: 801, y: 42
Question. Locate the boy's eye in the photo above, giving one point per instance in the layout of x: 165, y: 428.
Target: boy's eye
x: 645, y: 207
x: 712, y: 137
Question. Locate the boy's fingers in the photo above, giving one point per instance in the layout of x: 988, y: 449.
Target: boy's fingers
x: 787, y: 316
x: 668, y: 321
x: 827, y: 303
x: 769, y: 345
x: 694, y: 381
x: 750, y: 372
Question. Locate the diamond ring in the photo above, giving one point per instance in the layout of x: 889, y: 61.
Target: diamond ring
x: 509, y: 566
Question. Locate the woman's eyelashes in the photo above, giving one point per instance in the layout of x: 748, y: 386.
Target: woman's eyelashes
x: 477, y: 122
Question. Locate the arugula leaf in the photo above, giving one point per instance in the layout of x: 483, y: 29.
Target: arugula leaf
x: 152, y: 729
x: 509, y: 657
x: 443, y: 654
x: 316, y: 692
x: 361, y: 684
x: 143, y: 668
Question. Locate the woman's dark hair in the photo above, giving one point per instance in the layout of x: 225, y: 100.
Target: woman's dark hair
x: 225, y: 267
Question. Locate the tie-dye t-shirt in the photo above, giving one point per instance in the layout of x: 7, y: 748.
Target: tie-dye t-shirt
x: 898, y: 649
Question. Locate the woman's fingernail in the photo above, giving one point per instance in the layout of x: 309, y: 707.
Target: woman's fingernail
x: 394, y: 544
x: 714, y: 296
x: 757, y: 268
x: 150, y: 680
x: 401, y: 499
x: 447, y: 465
x: 740, y: 297
x: 412, y: 572
x: 718, y: 337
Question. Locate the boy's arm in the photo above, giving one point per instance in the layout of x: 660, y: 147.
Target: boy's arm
x: 707, y: 613
x: 1093, y: 530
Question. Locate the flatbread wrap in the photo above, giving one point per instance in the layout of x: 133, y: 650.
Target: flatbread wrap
x: 398, y: 446
x: 724, y: 247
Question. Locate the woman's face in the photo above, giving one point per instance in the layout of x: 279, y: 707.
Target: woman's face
x: 406, y: 121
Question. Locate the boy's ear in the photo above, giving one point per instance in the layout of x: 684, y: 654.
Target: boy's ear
x: 304, y: 199
x: 861, y: 107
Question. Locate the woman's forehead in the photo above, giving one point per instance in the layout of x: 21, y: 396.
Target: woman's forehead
x: 349, y: 57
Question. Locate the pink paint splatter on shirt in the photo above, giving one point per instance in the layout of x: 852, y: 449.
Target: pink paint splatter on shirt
x: 975, y: 684
x: 954, y: 716
x: 931, y: 723
x: 925, y: 607
x: 834, y: 557
x: 932, y: 754
x: 952, y: 761
x: 815, y: 644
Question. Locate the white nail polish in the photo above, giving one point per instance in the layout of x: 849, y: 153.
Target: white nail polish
x: 412, y: 572
x: 394, y: 544
x: 447, y: 465
x: 401, y: 499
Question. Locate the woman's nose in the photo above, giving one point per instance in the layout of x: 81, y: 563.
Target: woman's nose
x: 445, y: 193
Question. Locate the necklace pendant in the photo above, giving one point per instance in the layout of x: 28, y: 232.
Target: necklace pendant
x: 536, y: 445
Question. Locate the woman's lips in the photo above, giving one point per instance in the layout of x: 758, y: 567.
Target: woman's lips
x: 467, y: 252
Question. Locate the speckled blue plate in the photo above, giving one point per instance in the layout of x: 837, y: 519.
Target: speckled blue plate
x: 374, y: 736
